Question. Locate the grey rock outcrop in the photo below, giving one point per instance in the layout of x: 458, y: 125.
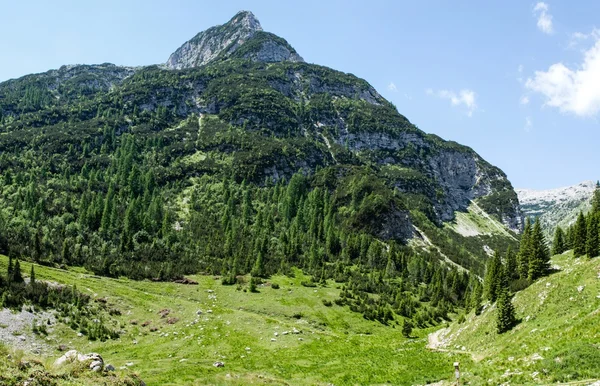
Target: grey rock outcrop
x: 224, y: 40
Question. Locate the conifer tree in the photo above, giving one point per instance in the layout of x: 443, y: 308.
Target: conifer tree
x: 559, y: 243
x: 524, y: 250
x: 596, y: 199
x: 569, y: 236
x: 592, y: 242
x: 505, y: 319
x: 492, y: 278
x: 511, y: 264
x: 9, y: 271
x: 32, y: 276
x: 258, y: 268
x: 475, y: 299
x: 579, y: 236
x: 539, y: 259
x: 407, y: 328
x: 16, y: 273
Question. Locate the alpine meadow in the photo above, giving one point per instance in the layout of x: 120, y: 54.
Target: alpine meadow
x: 237, y: 215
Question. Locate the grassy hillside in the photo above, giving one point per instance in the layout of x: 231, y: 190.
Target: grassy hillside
x: 246, y: 331
x: 556, y: 340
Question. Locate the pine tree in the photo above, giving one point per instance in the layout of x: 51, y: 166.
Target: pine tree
x: 475, y: 298
x: 407, y: 328
x: 579, y: 236
x: 596, y: 199
x: 505, y: 319
x: 559, y: 243
x: 492, y: 278
x: 32, y: 276
x: 539, y: 259
x: 258, y: 268
x: 16, y: 273
x: 569, y: 238
x: 524, y: 250
x: 511, y: 264
x: 592, y: 241
x: 9, y: 271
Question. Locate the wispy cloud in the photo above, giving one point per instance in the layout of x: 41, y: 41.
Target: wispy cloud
x: 574, y: 90
x: 465, y: 98
x: 544, y: 18
x: 577, y: 38
x: 392, y: 87
x: 524, y: 100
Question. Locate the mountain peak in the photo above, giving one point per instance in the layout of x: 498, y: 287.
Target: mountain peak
x: 247, y: 20
x: 221, y: 42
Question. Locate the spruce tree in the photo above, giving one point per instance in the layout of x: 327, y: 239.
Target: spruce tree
x: 9, y: 271
x: 569, y: 238
x: 16, y: 273
x: 258, y: 268
x: 511, y: 264
x: 592, y: 241
x: 475, y: 298
x: 492, y: 278
x: 32, y: 276
x: 524, y: 250
x: 559, y: 244
x: 579, y: 236
x: 505, y: 319
x: 539, y: 259
x: 596, y: 199
x: 407, y: 328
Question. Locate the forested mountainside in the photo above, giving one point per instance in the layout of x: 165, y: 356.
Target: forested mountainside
x: 238, y: 157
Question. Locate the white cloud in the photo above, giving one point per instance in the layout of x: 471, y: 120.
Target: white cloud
x: 528, y: 124
x: 392, y: 87
x: 524, y: 100
x: 464, y: 98
x: 544, y: 19
x: 520, y: 68
x: 574, y: 91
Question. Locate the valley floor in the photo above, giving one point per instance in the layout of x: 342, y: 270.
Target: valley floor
x: 284, y: 336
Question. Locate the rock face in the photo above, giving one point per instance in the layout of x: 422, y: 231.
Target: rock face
x: 223, y: 41
x: 558, y: 206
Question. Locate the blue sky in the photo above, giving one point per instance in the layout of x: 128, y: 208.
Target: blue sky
x: 517, y: 81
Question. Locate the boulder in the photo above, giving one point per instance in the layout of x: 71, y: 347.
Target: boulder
x: 96, y: 363
x: 219, y: 364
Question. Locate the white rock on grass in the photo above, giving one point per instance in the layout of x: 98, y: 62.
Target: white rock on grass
x: 72, y: 356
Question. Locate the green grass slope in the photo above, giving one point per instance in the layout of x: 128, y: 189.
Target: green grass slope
x: 557, y: 340
x: 252, y: 333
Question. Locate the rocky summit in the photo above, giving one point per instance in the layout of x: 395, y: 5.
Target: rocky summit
x: 221, y: 42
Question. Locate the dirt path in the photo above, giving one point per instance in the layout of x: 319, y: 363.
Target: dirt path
x: 435, y: 342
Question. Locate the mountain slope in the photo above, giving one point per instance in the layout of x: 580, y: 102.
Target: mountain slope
x: 556, y: 340
x: 556, y: 206
x: 242, y: 163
